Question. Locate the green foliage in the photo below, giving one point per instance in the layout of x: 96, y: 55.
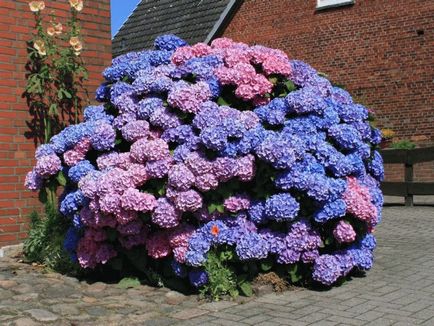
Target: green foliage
x: 295, y: 273
x: 403, y: 144
x: 55, y: 75
x: 244, y: 285
x: 128, y: 283
x: 222, y: 279
x: 44, y: 244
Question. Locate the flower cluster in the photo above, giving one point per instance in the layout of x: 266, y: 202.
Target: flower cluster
x: 224, y: 145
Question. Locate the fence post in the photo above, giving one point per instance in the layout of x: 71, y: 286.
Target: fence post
x: 408, y: 179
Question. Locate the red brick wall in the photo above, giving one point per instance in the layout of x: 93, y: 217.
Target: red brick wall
x: 16, y: 152
x: 422, y: 172
x: 372, y: 48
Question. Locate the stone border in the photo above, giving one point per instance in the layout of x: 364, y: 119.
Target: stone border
x: 11, y: 251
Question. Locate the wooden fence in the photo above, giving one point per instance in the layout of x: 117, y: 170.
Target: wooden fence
x: 408, y: 188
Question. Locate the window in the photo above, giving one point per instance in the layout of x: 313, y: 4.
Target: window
x: 323, y: 4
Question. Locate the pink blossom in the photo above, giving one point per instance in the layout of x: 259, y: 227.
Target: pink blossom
x: 179, y: 254
x: 206, y: 182
x: 188, y: 201
x: 137, y: 174
x: 48, y: 165
x: 165, y: 214
x: 157, y: 245
x: 237, y: 203
x: 124, y: 216
x: 358, y: 200
x: 110, y: 203
x: 180, y: 235
x: 344, y: 232
x: 72, y: 157
x: 149, y: 150
x: 134, y: 200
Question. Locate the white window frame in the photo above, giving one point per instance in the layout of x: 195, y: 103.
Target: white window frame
x: 323, y: 4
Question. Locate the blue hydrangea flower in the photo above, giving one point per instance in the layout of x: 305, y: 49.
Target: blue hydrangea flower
x: 327, y: 269
x: 252, y: 246
x: 368, y: 242
x: 178, y: 269
x: 330, y: 211
x: 198, y: 278
x: 80, y: 170
x: 376, y: 167
x: 281, y: 207
x: 168, y: 42
x: 71, y: 241
x: 72, y: 202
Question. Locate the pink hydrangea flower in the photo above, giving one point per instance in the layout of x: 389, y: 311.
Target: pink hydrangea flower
x: 358, y: 200
x: 235, y: 204
x: 165, y: 214
x: 149, y: 150
x: 245, y: 167
x: 33, y: 181
x: 180, y: 177
x: 188, y: 201
x: 72, y: 157
x: 157, y: 245
x: 134, y: 200
x: 110, y: 203
x: 198, y: 164
x: 137, y: 174
x: 344, y: 232
x: 206, y: 182
x: 48, y: 165
x: 135, y: 130
x: 179, y: 254
x: 189, y: 97
x: 179, y: 236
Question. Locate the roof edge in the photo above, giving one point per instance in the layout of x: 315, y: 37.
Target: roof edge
x: 137, y: 5
x: 221, y: 23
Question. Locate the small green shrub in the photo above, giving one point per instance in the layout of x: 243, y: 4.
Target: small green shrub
x: 44, y: 244
x: 222, y: 279
x: 403, y: 144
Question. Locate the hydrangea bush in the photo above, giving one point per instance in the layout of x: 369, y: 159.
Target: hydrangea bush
x: 228, y: 150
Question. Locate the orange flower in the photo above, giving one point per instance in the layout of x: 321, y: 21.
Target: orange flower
x: 51, y: 31
x: 36, y: 6
x: 76, y: 4
x: 58, y: 28
x: 215, y: 230
x: 39, y: 45
x: 74, y: 41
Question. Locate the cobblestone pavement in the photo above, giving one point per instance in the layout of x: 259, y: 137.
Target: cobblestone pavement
x: 399, y: 290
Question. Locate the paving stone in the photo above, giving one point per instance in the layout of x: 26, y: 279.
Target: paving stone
x: 24, y: 322
x: 189, y: 313
x: 65, y: 309
x: 227, y: 323
x: 162, y: 321
x: 42, y: 315
x: 97, y: 311
x: 97, y: 287
x: 7, y: 284
x: 217, y: 306
x: 290, y: 322
x: 174, y: 298
x: 26, y: 297
x: 255, y: 319
x: 227, y: 316
x: 6, y: 317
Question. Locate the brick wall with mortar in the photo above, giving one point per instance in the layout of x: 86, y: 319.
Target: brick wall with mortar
x: 381, y: 51
x: 16, y: 151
